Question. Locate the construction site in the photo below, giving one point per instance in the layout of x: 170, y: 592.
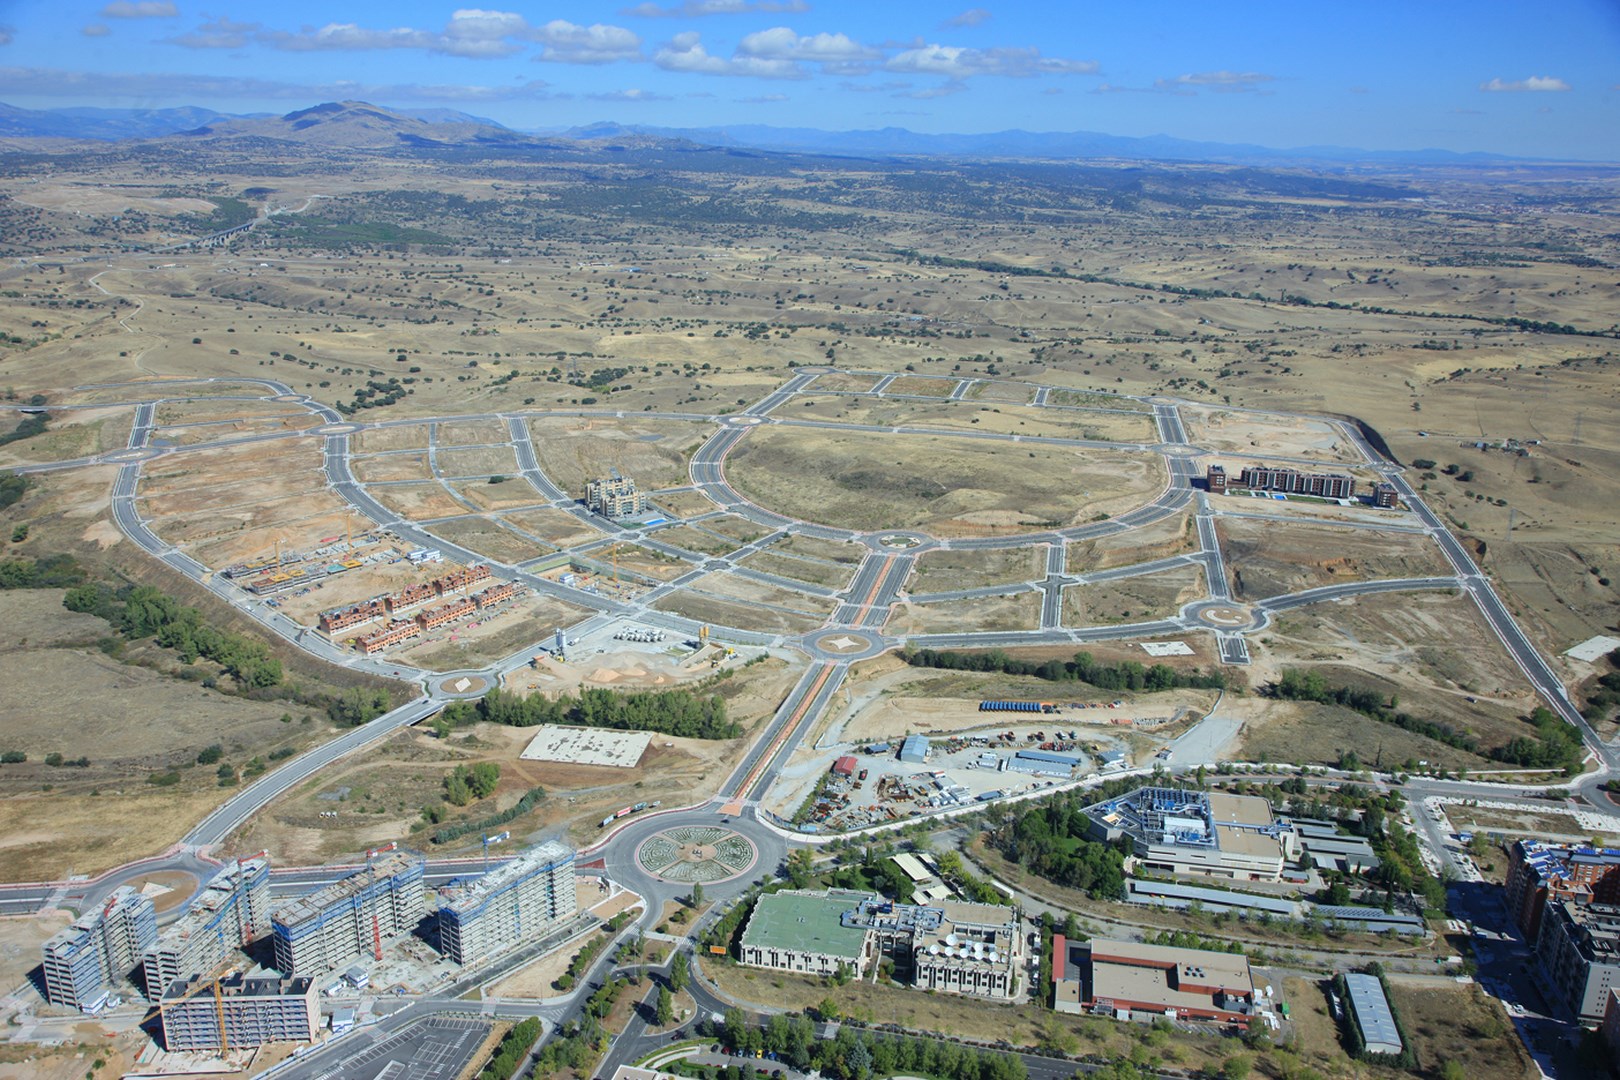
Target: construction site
x: 626, y: 656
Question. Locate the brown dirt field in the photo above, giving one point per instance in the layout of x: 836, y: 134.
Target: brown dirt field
x: 746, y: 590
x: 694, y: 538
x: 1266, y: 560
x: 20, y: 939
x: 653, y: 453
x: 559, y: 528
x: 299, y: 525
x: 1550, y: 824
x: 845, y: 380
x: 864, y: 481
x: 538, y: 980
x: 369, y: 470
x: 208, y: 410
x: 975, y: 415
x: 490, y: 540
x: 178, y: 888
x: 1020, y: 612
x: 1006, y: 392
x: 418, y: 502
x: 191, y: 436
x: 1236, y: 434
x: 396, y: 437
x: 815, y: 571
x: 947, y: 571
x: 1153, y: 596
x: 739, y: 529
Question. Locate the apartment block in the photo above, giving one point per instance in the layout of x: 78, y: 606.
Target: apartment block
x: 514, y: 903
x: 232, y: 911
x: 615, y: 497
x: 238, y: 1013
x: 340, y: 619
x: 85, y: 961
x: 392, y: 634
x: 433, y: 618
x: 346, y: 919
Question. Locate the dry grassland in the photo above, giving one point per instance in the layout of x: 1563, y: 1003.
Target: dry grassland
x: 972, y: 416
x: 20, y: 939
x: 864, y: 481
x: 380, y: 440
x: 654, y: 453
x: 70, y: 435
x: 695, y: 604
x: 555, y: 526
x: 1265, y: 560
x: 486, y: 537
x: 684, y: 504
x: 948, y: 570
x: 479, y: 462
x: 420, y: 502
x: 394, y: 467
x: 845, y: 381
x: 512, y: 493
x: 814, y: 571
x: 1244, y: 434
x: 1019, y: 612
x: 1163, y: 538
x: 1155, y: 596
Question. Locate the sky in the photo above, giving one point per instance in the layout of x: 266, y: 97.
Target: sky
x: 1538, y: 80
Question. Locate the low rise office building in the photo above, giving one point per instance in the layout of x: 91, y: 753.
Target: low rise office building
x: 1129, y: 980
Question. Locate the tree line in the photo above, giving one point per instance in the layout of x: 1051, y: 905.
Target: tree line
x: 144, y: 611
x: 1126, y: 675
x: 853, y: 1054
x: 667, y: 712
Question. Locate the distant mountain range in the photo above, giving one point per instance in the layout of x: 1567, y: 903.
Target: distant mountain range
x: 361, y: 125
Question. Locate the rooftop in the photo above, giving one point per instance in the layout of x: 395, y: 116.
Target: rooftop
x: 234, y: 986
x: 463, y: 898
x: 1372, y: 1009
x: 308, y: 907
x: 1226, y: 971
x: 807, y: 922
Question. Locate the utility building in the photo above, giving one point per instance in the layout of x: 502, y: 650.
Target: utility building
x: 514, y: 903
x: 238, y: 1013
x: 83, y: 962
x: 234, y: 908
x: 350, y: 918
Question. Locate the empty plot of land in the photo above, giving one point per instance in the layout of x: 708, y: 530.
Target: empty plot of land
x: 211, y: 410
x: 1267, y: 559
x: 418, y: 502
x: 588, y: 746
x: 849, y: 381
x: 1158, y: 540
x: 508, y: 494
x: 736, y: 587
x: 697, y: 538
x: 1225, y: 431
x: 813, y: 547
x: 1154, y: 596
x: 470, y: 433
x: 395, y: 437
x: 70, y: 435
x: 974, y: 415
x: 724, y: 612
x: 946, y: 571
x: 489, y: 539
x: 653, y: 453
x: 1019, y: 612
x: 866, y: 481
x: 489, y: 636
x: 555, y: 526
x: 1083, y: 399
x: 685, y: 504
x: 384, y: 467
x: 922, y: 385
x: 815, y: 571
x: 1010, y: 393
x: 482, y: 461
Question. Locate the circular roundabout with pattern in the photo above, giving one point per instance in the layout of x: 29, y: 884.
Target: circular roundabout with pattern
x: 697, y: 854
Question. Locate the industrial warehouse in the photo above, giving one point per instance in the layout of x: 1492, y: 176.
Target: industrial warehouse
x: 954, y: 946
x: 1126, y: 979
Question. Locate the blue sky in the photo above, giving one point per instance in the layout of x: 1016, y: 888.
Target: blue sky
x: 1517, y: 78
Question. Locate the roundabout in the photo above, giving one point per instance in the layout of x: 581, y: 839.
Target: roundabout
x: 696, y: 854
x: 1225, y: 615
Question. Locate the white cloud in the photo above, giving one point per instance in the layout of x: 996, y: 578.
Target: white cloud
x: 970, y: 17
x: 779, y: 41
x: 220, y: 33
x: 570, y: 43
x: 185, y: 88
x: 958, y: 63
x: 95, y: 29
x: 629, y: 96
x: 946, y: 89
x: 692, y: 9
x: 685, y: 53
x: 140, y: 9
x: 1222, y: 82
x: 762, y: 99
x: 1534, y: 84
x: 471, y: 33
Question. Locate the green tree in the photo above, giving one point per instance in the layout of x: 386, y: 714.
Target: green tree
x: 679, y: 968
x: 664, y: 1011
x: 1236, y: 1067
x: 800, y: 867
x: 697, y: 895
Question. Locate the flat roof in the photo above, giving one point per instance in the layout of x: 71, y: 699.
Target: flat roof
x: 1372, y: 1010
x: 308, y: 907
x: 464, y: 898
x: 1229, y: 971
x: 1238, y: 841
x: 1250, y: 810
x: 913, y: 867
x: 806, y: 922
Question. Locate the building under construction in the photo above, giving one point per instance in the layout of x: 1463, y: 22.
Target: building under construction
x: 85, y: 961
x: 340, y: 619
x: 395, y: 632
x: 615, y: 497
x: 350, y: 918
x: 238, y: 1013
x: 234, y: 908
x: 433, y: 618
x: 514, y: 903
